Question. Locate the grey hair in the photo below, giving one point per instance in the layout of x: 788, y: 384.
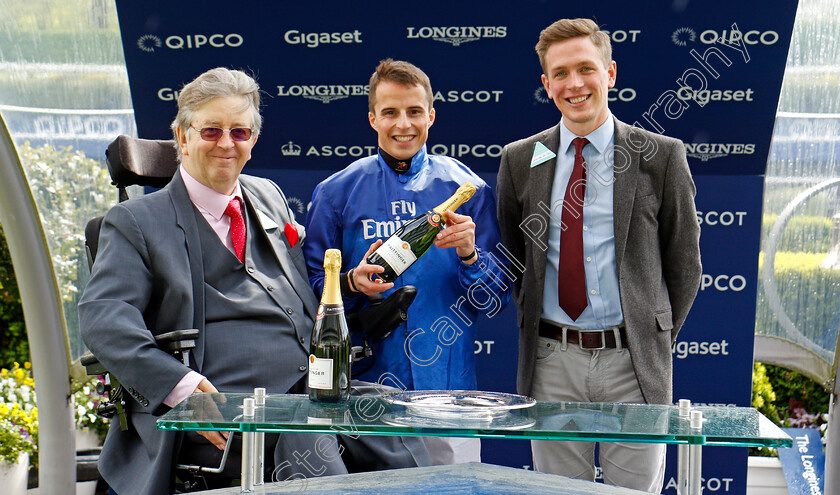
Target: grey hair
x: 215, y: 83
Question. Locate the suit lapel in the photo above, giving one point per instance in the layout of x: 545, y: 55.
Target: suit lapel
x: 185, y: 219
x: 281, y: 250
x: 626, y: 168
x: 542, y: 180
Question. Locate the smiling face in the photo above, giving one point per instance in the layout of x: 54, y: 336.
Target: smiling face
x: 578, y: 82
x: 217, y: 164
x: 401, y: 118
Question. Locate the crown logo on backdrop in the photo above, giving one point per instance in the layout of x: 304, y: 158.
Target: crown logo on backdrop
x: 290, y: 149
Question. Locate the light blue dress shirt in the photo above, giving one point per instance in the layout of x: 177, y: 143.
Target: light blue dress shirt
x: 604, y: 304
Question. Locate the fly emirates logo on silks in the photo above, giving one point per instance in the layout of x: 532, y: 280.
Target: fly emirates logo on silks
x: 402, y: 213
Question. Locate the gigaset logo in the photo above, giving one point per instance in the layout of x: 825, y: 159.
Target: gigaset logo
x: 149, y: 42
x: 312, y: 40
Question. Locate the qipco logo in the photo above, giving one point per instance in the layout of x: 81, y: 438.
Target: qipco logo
x: 191, y: 41
x: 723, y: 283
x: 734, y: 36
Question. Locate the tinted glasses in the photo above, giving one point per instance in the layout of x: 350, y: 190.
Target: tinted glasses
x: 216, y: 133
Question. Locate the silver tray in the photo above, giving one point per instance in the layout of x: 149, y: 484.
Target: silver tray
x: 503, y: 422
x: 458, y: 403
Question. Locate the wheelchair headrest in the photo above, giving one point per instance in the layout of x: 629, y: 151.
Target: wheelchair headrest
x: 141, y: 162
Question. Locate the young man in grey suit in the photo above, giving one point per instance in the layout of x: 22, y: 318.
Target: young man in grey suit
x: 607, y: 230
x: 220, y: 252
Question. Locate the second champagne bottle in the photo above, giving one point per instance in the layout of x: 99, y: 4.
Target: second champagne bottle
x: 329, y: 350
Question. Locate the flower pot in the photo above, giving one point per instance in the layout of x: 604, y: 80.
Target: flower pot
x: 86, y: 439
x: 13, y: 477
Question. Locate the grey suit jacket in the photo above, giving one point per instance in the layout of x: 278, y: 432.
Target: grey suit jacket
x: 147, y: 280
x: 657, y: 247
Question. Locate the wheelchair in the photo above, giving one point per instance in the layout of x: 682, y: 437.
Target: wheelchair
x: 142, y: 162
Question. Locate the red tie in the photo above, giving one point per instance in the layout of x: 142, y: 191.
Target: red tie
x: 237, y: 228
x: 571, y: 278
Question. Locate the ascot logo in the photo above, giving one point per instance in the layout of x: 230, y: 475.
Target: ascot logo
x: 290, y: 149
x: 148, y: 43
x: 324, y: 93
x: 707, y: 151
x: 620, y: 36
x: 469, y: 96
x: 457, y: 35
x: 685, y: 35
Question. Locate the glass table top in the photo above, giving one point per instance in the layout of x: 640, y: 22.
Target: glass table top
x: 371, y: 414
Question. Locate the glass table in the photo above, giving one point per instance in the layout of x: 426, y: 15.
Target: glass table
x: 688, y: 426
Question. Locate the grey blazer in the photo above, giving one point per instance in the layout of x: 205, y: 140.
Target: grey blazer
x: 657, y: 246
x: 147, y: 280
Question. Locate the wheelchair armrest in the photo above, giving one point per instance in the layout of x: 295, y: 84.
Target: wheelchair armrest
x: 92, y: 365
x: 172, y: 342
x: 177, y: 340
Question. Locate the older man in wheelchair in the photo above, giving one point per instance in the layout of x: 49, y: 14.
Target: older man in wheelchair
x: 216, y: 257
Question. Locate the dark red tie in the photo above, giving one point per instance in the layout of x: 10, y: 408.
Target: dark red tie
x: 237, y: 228
x: 571, y: 279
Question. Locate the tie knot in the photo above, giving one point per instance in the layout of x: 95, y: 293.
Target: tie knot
x: 234, y: 210
x: 579, y: 143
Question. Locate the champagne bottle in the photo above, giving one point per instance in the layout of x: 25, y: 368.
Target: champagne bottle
x: 329, y: 350
x: 415, y: 237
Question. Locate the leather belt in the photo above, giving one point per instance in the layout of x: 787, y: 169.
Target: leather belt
x: 586, y: 339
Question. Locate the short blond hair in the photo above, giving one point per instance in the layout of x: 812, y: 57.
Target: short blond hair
x: 565, y: 29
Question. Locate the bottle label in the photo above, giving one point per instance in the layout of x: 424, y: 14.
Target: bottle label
x: 434, y: 219
x: 397, y: 253
x: 320, y: 373
x: 329, y: 309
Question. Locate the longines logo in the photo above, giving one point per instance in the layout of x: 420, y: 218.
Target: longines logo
x: 148, y: 42
x: 292, y: 149
x: 707, y: 151
x: 684, y: 35
x: 324, y: 93
x: 456, y: 35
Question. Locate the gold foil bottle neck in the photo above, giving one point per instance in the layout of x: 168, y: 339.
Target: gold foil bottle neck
x: 461, y: 196
x: 332, y: 265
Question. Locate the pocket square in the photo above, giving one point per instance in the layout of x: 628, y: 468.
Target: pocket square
x: 291, y: 234
x: 266, y: 221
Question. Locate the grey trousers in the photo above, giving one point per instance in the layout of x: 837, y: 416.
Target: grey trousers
x: 581, y: 375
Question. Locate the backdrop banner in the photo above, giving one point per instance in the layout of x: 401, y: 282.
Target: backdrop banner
x: 708, y: 73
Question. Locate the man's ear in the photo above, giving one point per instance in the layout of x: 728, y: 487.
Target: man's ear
x: 182, y: 140
x: 372, y: 120
x: 431, y: 117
